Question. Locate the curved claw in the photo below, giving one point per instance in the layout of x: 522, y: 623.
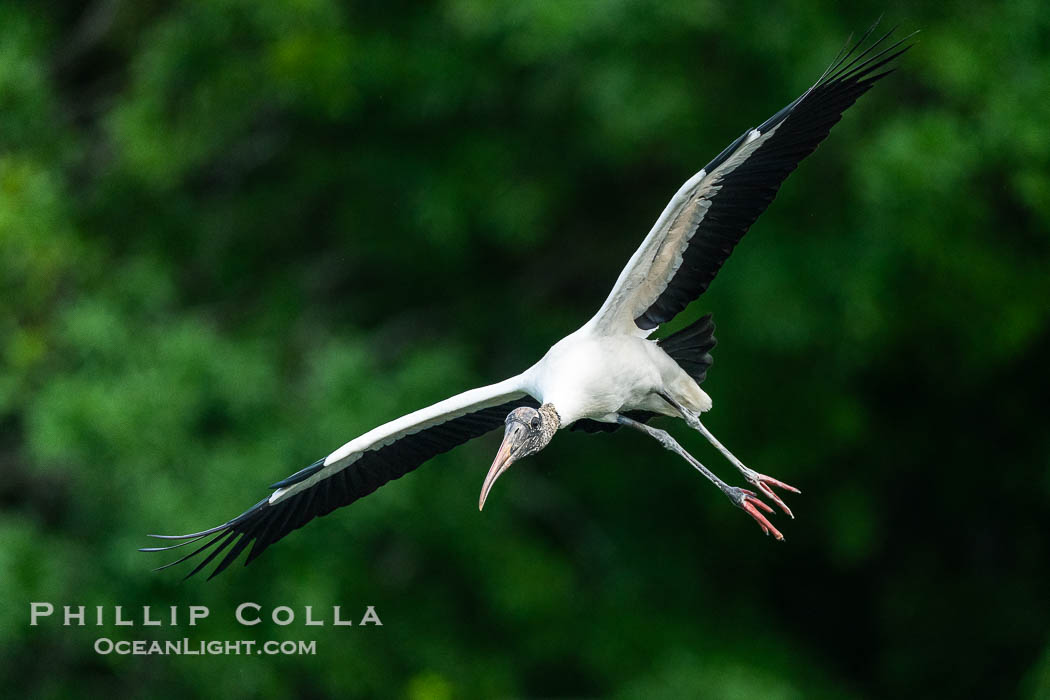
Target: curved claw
x: 748, y: 502
x: 763, y: 483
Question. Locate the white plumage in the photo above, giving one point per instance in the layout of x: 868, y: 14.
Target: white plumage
x: 589, y: 375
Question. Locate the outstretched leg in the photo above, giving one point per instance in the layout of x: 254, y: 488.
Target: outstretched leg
x: 760, y: 481
x: 742, y: 498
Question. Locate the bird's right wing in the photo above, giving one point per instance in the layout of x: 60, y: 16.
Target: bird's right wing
x: 713, y: 210
x: 355, y: 470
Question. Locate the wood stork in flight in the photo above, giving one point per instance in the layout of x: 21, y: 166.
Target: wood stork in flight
x: 608, y: 373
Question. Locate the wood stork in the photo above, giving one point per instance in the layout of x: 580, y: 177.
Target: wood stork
x: 608, y: 373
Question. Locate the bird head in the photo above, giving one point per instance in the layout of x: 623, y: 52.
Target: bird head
x: 528, y: 430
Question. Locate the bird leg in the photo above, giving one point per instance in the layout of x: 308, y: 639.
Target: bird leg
x: 747, y: 501
x: 760, y: 481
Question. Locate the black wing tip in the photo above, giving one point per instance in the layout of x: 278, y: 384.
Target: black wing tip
x: 192, y: 535
x: 228, y: 535
x: 860, y: 67
x: 840, y: 70
x: 169, y: 547
x: 224, y: 535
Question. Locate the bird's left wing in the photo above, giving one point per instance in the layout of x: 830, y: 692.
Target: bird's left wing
x: 714, y: 209
x: 353, y: 471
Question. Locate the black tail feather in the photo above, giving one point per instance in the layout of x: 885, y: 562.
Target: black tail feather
x: 691, y: 347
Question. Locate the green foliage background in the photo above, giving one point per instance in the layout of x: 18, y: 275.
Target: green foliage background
x: 235, y: 234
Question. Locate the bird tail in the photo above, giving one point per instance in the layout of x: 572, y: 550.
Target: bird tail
x: 691, y: 347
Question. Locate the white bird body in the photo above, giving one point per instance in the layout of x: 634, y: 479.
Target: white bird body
x: 588, y: 375
x: 607, y: 372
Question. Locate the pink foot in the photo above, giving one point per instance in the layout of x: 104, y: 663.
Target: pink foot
x: 763, y: 484
x: 749, y: 503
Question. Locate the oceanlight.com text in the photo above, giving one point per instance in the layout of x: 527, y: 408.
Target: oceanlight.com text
x: 188, y: 647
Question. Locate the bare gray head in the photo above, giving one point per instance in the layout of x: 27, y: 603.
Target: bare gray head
x: 528, y: 431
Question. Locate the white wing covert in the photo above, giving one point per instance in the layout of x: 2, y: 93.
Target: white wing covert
x: 355, y: 470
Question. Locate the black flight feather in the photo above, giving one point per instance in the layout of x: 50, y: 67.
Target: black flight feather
x: 747, y: 189
x: 265, y: 522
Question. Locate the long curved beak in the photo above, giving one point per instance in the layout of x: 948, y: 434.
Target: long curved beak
x: 502, y: 462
